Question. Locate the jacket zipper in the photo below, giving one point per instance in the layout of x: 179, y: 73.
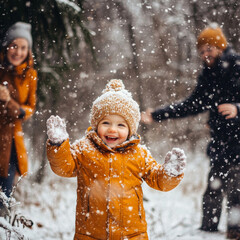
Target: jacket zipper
x: 121, y: 201
x: 139, y: 206
x: 108, y: 195
x: 88, y: 207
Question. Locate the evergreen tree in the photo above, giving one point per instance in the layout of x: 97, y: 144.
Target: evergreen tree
x: 57, y: 29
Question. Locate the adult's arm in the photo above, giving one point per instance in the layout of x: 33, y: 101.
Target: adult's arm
x: 12, y: 110
x: 232, y: 67
x: 194, y: 104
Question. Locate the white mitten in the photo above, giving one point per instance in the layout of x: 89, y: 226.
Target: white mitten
x: 175, y: 162
x: 56, y: 130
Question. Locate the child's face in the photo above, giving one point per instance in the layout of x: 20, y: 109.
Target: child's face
x: 17, y: 51
x: 113, y: 130
x: 209, y: 54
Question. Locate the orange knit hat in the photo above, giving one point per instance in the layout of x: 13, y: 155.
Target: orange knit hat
x: 116, y: 100
x: 212, y: 35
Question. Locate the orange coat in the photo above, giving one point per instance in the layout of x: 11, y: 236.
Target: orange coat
x: 23, y: 94
x: 109, y: 193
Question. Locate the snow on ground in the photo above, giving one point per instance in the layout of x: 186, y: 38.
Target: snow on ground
x: 170, y: 215
x: 177, y: 214
x: 174, y: 215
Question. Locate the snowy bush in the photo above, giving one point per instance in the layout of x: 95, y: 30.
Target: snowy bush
x: 11, y: 222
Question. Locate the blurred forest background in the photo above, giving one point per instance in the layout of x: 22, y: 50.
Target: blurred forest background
x: 150, y: 44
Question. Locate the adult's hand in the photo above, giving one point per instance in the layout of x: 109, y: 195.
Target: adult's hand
x: 228, y: 110
x: 146, y: 117
x: 4, y: 94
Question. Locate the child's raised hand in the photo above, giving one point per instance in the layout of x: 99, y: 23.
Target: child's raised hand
x: 56, y: 130
x: 175, y: 162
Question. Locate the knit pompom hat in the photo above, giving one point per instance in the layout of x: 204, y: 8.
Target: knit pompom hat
x: 18, y: 30
x: 212, y: 35
x: 116, y: 100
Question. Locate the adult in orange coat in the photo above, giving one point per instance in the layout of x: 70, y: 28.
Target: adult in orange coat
x: 110, y: 166
x: 18, y: 83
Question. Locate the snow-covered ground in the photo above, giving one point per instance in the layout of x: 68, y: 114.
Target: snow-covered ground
x: 172, y: 215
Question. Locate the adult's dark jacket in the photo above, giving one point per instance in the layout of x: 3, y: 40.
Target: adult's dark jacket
x: 216, y: 85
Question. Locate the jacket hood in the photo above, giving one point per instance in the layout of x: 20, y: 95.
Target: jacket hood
x: 93, y: 136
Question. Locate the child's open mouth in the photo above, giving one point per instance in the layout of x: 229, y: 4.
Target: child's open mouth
x: 111, y: 138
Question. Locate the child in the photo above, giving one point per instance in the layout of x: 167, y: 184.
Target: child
x: 18, y: 83
x: 111, y: 165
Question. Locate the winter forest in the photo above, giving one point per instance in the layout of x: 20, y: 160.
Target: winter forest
x: 78, y: 47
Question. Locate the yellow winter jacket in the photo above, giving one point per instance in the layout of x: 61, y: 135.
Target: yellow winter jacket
x: 109, y: 193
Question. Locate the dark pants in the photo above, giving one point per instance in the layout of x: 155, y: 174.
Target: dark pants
x: 7, y: 183
x: 222, y: 182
